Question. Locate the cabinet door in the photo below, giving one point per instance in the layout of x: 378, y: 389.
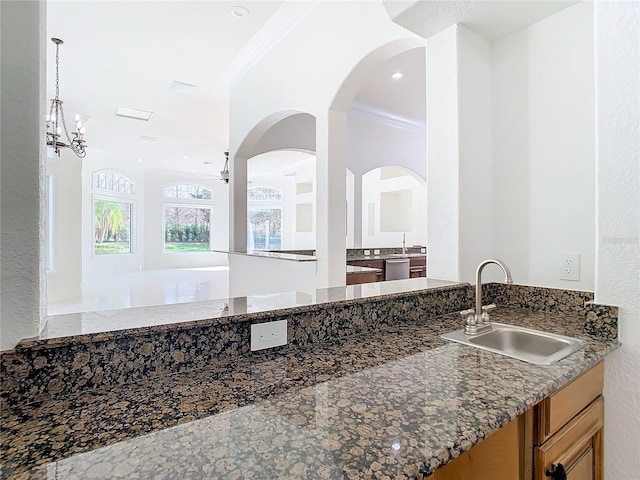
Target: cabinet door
x: 577, y: 446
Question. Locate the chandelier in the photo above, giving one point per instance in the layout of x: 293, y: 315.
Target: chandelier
x: 56, y: 123
x: 224, y: 173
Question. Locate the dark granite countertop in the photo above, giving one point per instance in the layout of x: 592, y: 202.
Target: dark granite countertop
x: 380, y: 405
x: 385, y: 256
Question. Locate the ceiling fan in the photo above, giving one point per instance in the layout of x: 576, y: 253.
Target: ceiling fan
x: 224, y: 173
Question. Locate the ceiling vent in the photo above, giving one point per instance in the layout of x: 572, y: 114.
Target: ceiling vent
x: 133, y: 113
x: 181, y: 87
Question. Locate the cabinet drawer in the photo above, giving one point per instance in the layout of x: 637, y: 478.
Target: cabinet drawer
x: 577, y: 446
x: 560, y: 407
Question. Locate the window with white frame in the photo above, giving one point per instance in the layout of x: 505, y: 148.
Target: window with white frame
x: 264, y: 218
x: 187, y: 212
x: 113, y: 200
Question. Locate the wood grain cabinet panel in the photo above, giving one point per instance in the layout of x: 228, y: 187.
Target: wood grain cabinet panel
x: 566, y: 427
x: 577, y: 446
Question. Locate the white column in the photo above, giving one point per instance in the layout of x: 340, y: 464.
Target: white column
x: 331, y: 152
x: 238, y: 204
x: 442, y: 156
x: 617, y: 274
x: 22, y: 171
x: 459, y: 167
x: 357, y: 210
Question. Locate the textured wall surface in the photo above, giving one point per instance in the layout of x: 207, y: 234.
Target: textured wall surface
x: 23, y: 278
x: 618, y: 223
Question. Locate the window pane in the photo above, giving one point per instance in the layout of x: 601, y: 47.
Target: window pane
x: 265, y: 232
x: 186, y: 229
x: 112, y: 182
x: 112, y: 227
x: 264, y: 193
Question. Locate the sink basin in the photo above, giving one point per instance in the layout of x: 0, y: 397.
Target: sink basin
x: 532, y: 346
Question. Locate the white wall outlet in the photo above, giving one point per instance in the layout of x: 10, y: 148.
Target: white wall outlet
x: 423, y: 250
x: 376, y: 252
x: 367, y: 253
x: 570, y: 266
x: 268, y: 335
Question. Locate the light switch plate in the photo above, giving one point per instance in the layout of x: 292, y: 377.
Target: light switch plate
x: 268, y: 335
x: 376, y: 252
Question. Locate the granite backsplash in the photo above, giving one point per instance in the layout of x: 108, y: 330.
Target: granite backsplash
x: 36, y: 371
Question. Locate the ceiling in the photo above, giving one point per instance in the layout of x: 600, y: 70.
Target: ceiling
x: 128, y: 54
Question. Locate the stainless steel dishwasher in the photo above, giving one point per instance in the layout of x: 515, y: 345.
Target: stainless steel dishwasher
x: 396, y: 268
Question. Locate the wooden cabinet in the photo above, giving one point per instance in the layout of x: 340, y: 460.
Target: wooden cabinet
x: 496, y: 458
x: 565, y: 428
x: 570, y: 425
x: 371, y: 264
x: 418, y: 267
x: 362, y: 277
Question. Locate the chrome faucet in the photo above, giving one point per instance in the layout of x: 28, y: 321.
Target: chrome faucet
x: 404, y: 243
x: 477, y: 321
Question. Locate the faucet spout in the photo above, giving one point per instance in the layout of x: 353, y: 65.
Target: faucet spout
x: 507, y: 279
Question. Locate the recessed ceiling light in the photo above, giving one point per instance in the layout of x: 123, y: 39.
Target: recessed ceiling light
x: 186, y: 158
x: 396, y: 75
x: 239, y: 11
x: 133, y: 113
x: 139, y: 159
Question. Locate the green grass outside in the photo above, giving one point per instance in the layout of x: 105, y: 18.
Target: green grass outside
x: 109, y: 248
x: 176, y: 247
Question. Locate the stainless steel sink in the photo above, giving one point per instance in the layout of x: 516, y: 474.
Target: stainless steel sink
x: 525, y: 344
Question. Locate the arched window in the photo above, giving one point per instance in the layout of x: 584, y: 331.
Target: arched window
x: 264, y: 216
x: 187, y: 209
x: 113, y: 201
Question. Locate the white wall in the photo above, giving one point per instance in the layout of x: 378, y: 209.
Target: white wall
x: 617, y: 280
x: 64, y: 281
x: 412, y: 218
x: 22, y: 170
x: 543, y: 131
x: 250, y: 275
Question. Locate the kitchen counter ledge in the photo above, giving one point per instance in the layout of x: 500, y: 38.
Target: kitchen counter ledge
x: 392, y: 404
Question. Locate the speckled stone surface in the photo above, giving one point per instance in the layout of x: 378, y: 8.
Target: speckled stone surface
x: 536, y: 298
x: 47, y: 367
x: 601, y: 320
x: 383, y: 404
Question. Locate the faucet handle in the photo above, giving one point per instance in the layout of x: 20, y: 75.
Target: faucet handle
x: 485, y: 312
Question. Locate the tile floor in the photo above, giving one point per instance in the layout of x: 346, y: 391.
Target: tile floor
x: 149, y: 287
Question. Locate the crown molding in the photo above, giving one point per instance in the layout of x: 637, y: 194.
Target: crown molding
x: 388, y: 118
x: 274, y: 30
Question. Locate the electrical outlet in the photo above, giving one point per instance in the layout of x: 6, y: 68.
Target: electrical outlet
x: 376, y: 252
x: 367, y: 253
x: 570, y: 266
x: 268, y: 335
